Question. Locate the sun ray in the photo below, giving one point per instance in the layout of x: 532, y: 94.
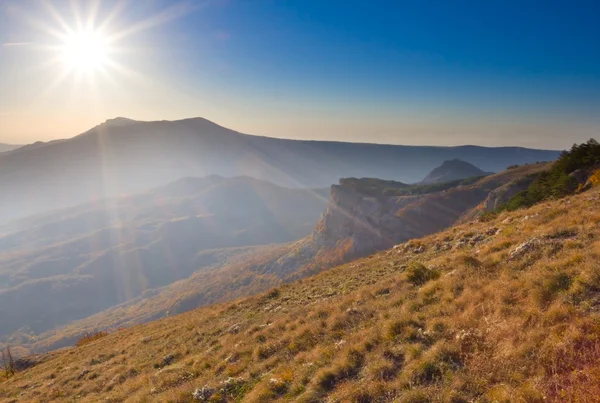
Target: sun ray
x: 114, y: 13
x: 169, y: 14
x: 93, y: 14
x: 75, y: 9
x: 44, y: 27
x: 56, y: 16
x: 85, y: 48
x: 129, y: 73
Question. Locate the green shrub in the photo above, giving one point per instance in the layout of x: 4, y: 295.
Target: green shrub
x: 426, y: 373
x: 487, y: 216
x: 547, y: 290
x: 556, y: 182
x: 327, y: 379
x: 419, y: 274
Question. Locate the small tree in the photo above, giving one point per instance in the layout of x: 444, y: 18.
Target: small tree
x: 8, y: 362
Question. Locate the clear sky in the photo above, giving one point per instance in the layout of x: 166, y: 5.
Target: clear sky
x: 404, y: 72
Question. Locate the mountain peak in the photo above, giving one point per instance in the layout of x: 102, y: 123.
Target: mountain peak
x: 119, y: 120
x: 453, y: 169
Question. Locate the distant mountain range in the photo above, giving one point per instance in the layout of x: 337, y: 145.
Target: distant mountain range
x: 453, y: 170
x: 8, y: 147
x: 122, y: 156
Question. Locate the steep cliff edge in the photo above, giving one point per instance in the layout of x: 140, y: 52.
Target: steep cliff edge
x: 367, y: 215
x: 369, y: 221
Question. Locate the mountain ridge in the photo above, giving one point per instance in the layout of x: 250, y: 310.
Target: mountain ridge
x: 8, y: 147
x: 124, y: 119
x: 115, y: 159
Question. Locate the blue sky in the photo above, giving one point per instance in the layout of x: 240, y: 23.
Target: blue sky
x: 405, y: 72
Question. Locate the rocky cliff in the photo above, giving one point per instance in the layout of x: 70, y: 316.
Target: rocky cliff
x: 369, y: 221
x: 365, y: 215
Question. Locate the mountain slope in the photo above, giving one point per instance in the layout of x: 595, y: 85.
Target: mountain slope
x: 363, y: 216
x: 489, y: 311
x: 8, y: 147
x: 122, y: 156
x: 453, y: 170
x: 97, y: 255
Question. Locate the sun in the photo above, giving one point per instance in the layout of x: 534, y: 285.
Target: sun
x: 87, y: 42
x: 84, y: 51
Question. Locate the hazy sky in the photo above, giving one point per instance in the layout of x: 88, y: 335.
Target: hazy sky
x: 405, y: 72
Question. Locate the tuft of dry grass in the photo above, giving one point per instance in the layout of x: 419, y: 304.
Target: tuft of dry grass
x: 90, y: 337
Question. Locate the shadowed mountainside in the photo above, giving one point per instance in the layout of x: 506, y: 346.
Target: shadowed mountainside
x: 123, y: 156
x: 68, y: 264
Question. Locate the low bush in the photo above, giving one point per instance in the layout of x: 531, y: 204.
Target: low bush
x: 419, y: 274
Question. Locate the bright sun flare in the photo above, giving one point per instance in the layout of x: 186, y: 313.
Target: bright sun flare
x: 84, y: 51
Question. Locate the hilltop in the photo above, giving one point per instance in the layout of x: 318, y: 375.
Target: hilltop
x: 124, y: 157
x: 496, y: 310
x: 453, y: 170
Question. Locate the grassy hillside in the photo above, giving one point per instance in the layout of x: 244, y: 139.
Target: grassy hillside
x: 340, y: 236
x: 503, y: 310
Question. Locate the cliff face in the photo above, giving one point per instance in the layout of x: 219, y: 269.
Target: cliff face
x: 365, y: 219
x: 370, y: 222
x: 367, y: 215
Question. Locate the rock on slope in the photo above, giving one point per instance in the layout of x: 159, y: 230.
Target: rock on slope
x: 487, y: 311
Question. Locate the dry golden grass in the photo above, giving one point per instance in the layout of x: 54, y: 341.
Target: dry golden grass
x: 497, y: 311
x: 90, y: 337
